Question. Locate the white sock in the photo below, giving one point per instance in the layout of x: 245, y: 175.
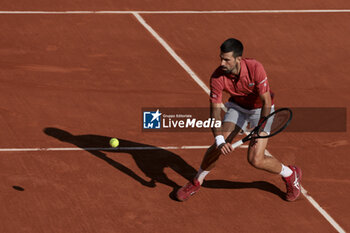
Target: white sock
x: 201, y: 175
x: 286, y: 171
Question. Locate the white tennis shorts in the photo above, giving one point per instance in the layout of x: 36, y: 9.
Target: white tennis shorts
x: 242, y: 117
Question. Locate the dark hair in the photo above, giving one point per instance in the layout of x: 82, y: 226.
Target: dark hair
x: 232, y: 45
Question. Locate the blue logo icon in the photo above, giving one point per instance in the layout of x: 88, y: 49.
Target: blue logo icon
x: 151, y: 120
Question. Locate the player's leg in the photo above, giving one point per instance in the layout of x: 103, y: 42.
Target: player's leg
x: 256, y: 149
x: 230, y: 130
x: 234, y: 121
x: 258, y: 159
x: 291, y: 175
x: 210, y: 158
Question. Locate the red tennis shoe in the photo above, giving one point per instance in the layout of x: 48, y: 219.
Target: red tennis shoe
x: 293, y: 184
x: 188, y: 190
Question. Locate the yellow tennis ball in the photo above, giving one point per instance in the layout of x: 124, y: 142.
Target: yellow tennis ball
x: 114, y: 142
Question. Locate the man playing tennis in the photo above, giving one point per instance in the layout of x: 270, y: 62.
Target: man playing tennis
x: 251, y: 100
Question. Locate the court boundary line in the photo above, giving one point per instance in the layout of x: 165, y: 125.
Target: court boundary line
x: 126, y: 148
x: 304, y: 11
x: 103, y: 148
x: 180, y: 61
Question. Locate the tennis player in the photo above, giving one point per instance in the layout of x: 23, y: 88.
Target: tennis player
x: 250, y: 101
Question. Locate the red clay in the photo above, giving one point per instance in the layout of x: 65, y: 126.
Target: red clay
x: 74, y: 81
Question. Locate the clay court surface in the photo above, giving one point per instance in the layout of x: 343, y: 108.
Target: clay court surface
x: 70, y: 81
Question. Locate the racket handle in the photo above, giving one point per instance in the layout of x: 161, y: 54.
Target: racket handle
x: 237, y: 144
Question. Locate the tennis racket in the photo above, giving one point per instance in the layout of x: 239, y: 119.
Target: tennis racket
x: 272, y: 124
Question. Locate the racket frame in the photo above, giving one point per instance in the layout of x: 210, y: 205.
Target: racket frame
x: 254, y: 132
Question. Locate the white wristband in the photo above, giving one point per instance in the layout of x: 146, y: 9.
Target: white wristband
x: 219, y: 140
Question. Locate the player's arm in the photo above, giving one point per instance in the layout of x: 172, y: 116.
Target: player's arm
x: 266, y: 107
x: 216, y: 88
x: 265, y: 110
x: 266, y: 104
x: 263, y: 90
x: 215, y: 112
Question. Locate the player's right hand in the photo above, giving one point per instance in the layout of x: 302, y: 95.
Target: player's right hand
x: 225, y: 148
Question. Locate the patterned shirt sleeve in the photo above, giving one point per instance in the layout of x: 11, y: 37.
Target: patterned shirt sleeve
x: 261, y: 81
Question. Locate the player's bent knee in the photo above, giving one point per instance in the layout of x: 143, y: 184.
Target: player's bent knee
x: 256, y: 161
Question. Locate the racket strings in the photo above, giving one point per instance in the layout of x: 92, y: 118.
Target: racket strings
x: 275, y: 123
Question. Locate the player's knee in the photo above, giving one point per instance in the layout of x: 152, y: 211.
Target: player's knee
x: 256, y: 161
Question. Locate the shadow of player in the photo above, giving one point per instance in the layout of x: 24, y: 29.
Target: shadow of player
x: 261, y: 185
x: 151, y: 162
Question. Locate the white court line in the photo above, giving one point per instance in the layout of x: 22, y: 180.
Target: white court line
x: 200, y: 83
x: 104, y: 149
x: 173, y: 54
x: 183, y: 12
x: 109, y: 148
x: 322, y: 211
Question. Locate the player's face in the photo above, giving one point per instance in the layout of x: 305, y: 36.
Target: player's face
x: 229, y: 64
